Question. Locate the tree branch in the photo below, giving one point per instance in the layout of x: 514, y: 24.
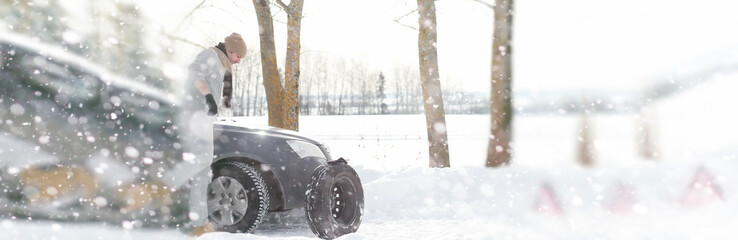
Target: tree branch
x: 176, y: 38
x: 397, y: 20
x: 190, y: 13
x: 490, y: 6
x: 279, y: 21
x: 277, y: 11
x: 286, y: 8
x: 400, y: 17
x: 283, y: 6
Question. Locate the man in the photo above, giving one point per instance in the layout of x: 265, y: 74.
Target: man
x: 211, y: 71
x: 208, y: 91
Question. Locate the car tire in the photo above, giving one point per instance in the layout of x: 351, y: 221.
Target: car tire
x: 237, y: 198
x: 335, y: 201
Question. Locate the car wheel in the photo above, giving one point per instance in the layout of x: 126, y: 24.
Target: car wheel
x: 237, y: 197
x: 335, y: 201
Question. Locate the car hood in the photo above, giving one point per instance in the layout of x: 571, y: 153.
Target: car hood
x: 233, y: 124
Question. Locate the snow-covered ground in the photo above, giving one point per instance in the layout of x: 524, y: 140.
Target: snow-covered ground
x: 544, y: 194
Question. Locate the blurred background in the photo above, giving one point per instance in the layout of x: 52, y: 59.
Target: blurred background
x: 629, y: 85
x: 640, y: 60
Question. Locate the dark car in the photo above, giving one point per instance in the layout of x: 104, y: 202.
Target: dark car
x: 261, y: 169
x: 79, y: 143
x: 62, y: 118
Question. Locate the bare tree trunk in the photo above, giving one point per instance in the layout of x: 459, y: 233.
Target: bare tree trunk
x: 291, y: 105
x: 282, y: 101
x: 261, y: 104
x: 272, y: 81
x: 585, y: 143
x: 351, y: 93
x: 337, y: 91
x: 309, y: 84
x: 501, y: 112
x: 246, y: 86
x: 418, y: 95
x: 411, y: 92
x: 256, y: 95
x: 398, y: 90
x: 309, y: 68
x: 341, y: 92
x: 646, y: 137
x: 362, y: 90
x: 435, y: 117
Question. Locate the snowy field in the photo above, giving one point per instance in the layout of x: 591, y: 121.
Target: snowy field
x: 689, y: 192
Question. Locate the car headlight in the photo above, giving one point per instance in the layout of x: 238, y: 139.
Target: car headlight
x: 305, y: 149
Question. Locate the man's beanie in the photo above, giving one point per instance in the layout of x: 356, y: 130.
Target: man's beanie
x: 235, y: 43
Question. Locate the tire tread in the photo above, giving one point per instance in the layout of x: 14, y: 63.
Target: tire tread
x: 259, y: 185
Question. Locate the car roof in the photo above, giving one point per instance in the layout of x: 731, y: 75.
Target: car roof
x: 70, y: 58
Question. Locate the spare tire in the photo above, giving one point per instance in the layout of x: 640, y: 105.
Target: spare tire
x: 335, y: 200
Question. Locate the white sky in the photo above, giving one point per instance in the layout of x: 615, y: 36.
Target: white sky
x: 567, y: 44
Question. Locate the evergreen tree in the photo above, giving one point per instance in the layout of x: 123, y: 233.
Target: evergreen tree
x: 45, y: 20
x: 382, y: 107
x: 130, y: 57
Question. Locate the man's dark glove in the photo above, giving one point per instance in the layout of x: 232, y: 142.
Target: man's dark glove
x: 212, y: 106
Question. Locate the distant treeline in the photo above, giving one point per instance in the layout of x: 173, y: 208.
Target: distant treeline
x: 338, y: 86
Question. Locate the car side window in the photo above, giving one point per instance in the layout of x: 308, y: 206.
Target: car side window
x: 69, y: 85
x: 135, y: 107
